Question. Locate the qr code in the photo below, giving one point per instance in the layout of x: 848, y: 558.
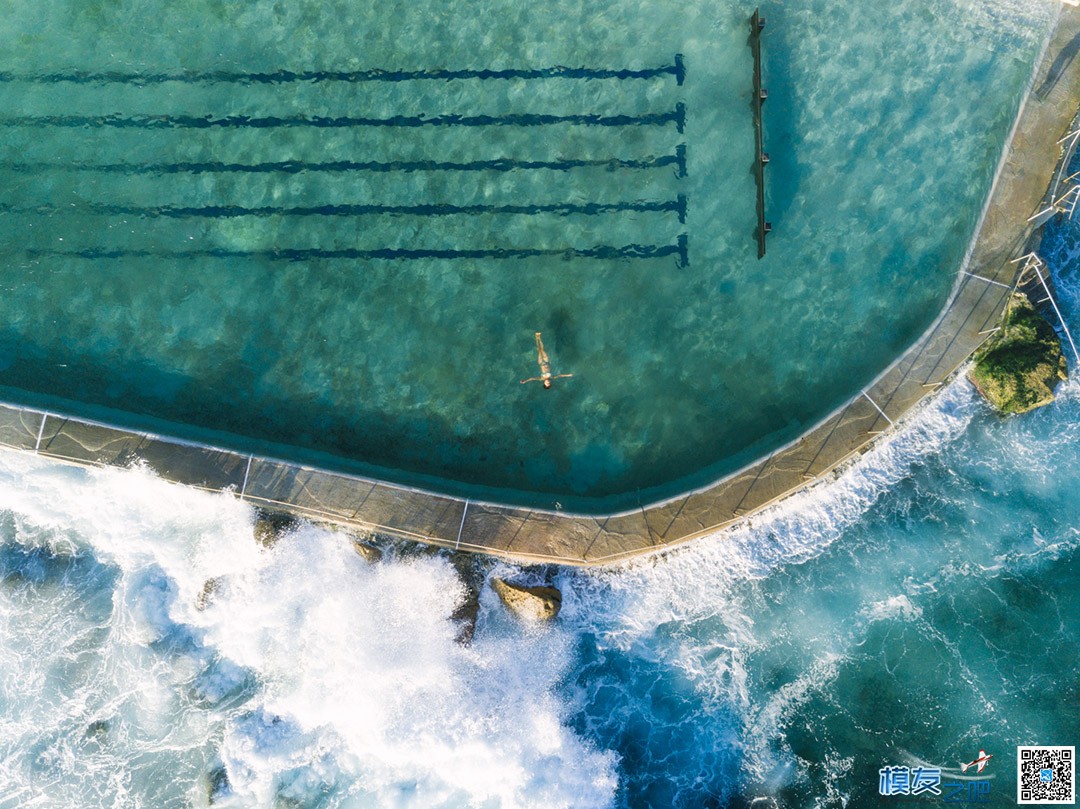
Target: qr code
x: 1045, y: 774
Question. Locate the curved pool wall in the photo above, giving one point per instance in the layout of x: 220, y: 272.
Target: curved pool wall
x: 883, y: 150
x: 565, y: 537
x: 1022, y: 185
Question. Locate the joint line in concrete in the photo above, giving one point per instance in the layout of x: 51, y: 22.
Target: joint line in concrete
x: 878, y: 409
x: 465, y: 511
x: 243, y: 489
x: 987, y: 280
x: 41, y: 431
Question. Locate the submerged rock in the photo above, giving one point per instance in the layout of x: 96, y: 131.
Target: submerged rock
x: 1019, y: 368
x: 97, y: 730
x: 470, y: 570
x: 465, y: 617
x: 270, y: 526
x: 369, y: 552
x: 531, y: 603
x: 217, y: 786
x: 206, y: 594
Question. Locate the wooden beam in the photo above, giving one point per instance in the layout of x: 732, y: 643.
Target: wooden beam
x: 761, y: 158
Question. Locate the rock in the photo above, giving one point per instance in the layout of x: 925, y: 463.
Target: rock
x: 270, y: 526
x: 206, y: 595
x: 469, y: 568
x: 97, y: 730
x: 217, y: 786
x: 531, y: 603
x: 1019, y: 368
x: 465, y: 617
x: 369, y: 552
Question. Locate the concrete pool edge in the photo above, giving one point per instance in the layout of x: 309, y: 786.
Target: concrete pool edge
x: 1024, y: 174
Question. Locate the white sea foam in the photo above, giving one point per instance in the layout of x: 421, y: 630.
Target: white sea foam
x: 308, y: 672
x: 694, y: 609
x: 681, y: 584
x: 766, y: 762
x: 891, y: 609
x: 418, y: 718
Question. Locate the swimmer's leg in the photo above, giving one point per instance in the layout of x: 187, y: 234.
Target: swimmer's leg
x: 541, y: 355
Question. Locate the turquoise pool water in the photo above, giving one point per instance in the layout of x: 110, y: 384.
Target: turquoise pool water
x: 223, y: 218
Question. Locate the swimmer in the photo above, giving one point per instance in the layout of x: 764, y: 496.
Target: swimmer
x: 545, y: 366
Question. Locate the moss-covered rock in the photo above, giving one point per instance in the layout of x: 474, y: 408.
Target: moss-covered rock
x: 1019, y: 368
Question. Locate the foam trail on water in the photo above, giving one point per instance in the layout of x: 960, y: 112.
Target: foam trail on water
x: 307, y: 673
x: 761, y: 641
x: 795, y: 530
x: 694, y: 612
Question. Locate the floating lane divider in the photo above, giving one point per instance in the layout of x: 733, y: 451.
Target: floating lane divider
x: 678, y: 160
x: 677, y: 206
x: 676, y: 69
x: 629, y: 251
x: 761, y: 159
x: 676, y: 116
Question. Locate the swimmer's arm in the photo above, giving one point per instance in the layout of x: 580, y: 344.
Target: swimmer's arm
x: 532, y: 379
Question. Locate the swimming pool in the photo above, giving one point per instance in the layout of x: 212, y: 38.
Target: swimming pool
x: 330, y: 231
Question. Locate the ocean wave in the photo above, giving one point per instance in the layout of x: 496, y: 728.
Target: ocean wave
x: 681, y: 584
x: 304, y: 672
x: 897, y: 607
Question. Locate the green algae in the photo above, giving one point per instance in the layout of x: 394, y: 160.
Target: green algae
x: 1019, y: 368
